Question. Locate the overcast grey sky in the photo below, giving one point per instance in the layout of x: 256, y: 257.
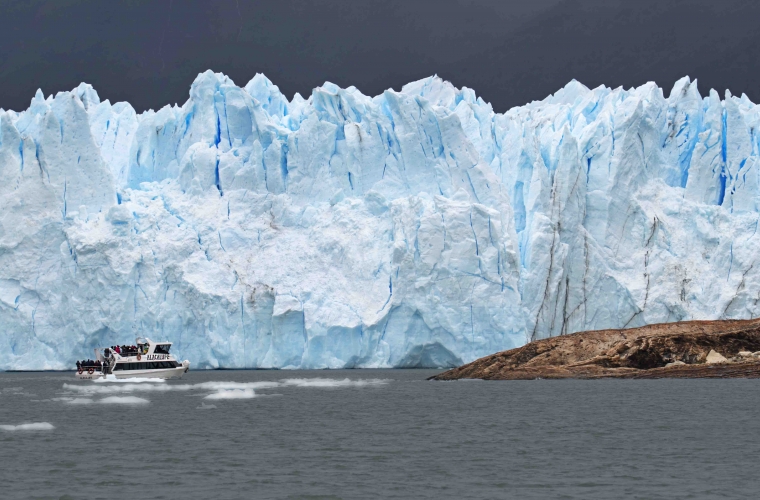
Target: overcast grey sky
x: 510, y: 52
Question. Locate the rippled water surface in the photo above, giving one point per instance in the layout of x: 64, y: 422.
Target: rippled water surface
x: 376, y: 434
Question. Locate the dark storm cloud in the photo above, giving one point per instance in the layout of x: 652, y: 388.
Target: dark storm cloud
x: 510, y: 52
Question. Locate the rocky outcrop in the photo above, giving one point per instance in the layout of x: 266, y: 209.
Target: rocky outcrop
x: 690, y: 349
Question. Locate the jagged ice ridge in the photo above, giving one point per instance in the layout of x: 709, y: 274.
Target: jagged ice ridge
x: 414, y: 228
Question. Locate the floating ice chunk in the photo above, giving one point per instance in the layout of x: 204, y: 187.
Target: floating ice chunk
x: 36, y: 426
x: 220, y: 386
x: 232, y: 394
x: 332, y: 383
x: 123, y: 400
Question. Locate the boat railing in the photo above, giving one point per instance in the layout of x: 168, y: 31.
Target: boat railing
x: 95, y: 369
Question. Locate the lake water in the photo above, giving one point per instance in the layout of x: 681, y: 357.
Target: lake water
x: 376, y: 434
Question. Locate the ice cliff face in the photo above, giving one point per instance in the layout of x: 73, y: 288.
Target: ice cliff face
x: 415, y: 228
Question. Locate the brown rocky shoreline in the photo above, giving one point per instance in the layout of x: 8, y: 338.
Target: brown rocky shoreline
x: 689, y: 349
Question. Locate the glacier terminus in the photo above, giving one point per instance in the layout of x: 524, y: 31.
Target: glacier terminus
x: 416, y: 228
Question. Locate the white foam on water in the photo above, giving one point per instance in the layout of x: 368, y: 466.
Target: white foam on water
x: 330, y: 383
x: 129, y: 388
x: 204, y: 406
x: 123, y: 400
x: 232, y: 394
x: 121, y: 388
x: 18, y: 391
x: 35, y: 426
x: 79, y: 401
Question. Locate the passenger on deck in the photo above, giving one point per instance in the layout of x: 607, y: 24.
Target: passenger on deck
x: 79, y: 365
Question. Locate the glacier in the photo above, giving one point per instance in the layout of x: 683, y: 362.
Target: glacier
x: 416, y: 228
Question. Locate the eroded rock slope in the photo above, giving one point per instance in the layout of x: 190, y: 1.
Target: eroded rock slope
x: 712, y: 349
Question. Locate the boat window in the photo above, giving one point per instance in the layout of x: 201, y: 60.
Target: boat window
x: 149, y: 365
x: 162, y: 349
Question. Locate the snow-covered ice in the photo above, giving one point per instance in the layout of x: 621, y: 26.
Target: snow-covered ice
x: 414, y: 228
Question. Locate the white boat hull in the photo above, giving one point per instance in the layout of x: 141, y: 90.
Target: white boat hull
x: 162, y: 373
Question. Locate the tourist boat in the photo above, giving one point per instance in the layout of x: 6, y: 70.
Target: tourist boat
x: 146, y: 359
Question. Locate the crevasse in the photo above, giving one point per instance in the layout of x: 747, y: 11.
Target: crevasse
x: 414, y: 228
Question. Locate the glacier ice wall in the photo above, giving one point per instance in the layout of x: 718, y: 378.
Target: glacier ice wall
x: 414, y: 228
